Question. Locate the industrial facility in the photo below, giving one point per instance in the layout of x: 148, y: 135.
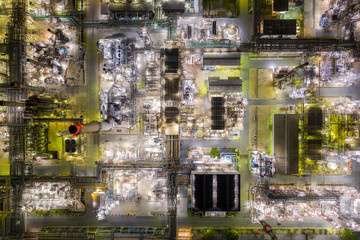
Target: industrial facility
x: 179, y: 119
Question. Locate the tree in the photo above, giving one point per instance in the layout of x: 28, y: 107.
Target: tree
x: 214, y: 152
x: 310, y: 234
x: 209, y: 234
x: 203, y: 90
x: 348, y: 234
x: 231, y: 234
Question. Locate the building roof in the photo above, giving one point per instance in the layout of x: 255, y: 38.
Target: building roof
x: 221, y: 59
x: 314, y: 128
x: 315, y: 121
x: 232, y: 84
x: 171, y: 60
x: 217, y: 113
x: 286, y: 143
x: 130, y: 7
x: 172, y: 88
x: 173, y: 6
x: 280, y: 5
x: 172, y: 114
x: 279, y: 27
x: 314, y: 149
x: 226, y: 197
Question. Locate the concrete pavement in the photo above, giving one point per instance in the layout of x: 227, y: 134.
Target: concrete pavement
x: 352, y: 91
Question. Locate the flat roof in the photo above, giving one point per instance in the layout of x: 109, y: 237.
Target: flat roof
x: 315, y: 121
x: 279, y: 27
x: 217, y: 113
x: 173, y: 6
x: 286, y: 143
x: 216, y: 192
x: 314, y: 149
x: 225, y: 85
x: 172, y: 114
x: 172, y: 88
x: 222, y: 55
x: 221, y: 59
x: 171, y: 56
x: 280, y: 5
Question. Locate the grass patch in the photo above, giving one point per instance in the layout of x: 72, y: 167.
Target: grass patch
x: 141, y: 85
x: 215, y: 152
x: 232, y: 214
x: 189, y: 212
x: 222, y: 8
x: 203, y: 90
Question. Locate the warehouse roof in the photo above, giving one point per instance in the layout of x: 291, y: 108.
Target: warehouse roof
x: 280, y: 5
x: 171, y: 60
x: 216, y: 192
x: 221, y: 59
x: 315, y: 121
x: 173, y: 6
x: 286, y: 143
x: 217, y: 113
x: 279, y: 27
x: 232, y: 84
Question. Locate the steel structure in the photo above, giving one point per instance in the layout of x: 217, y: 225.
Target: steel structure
x: 345, y: 16
x: 15, y: 46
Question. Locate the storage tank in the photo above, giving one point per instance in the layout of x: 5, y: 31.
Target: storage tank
x: 91, y: 127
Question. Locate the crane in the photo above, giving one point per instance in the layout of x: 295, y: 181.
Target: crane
x: 279, y: 81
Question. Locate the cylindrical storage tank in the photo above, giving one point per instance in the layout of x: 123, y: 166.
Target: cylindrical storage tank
x: 91, y: 127
x: 97, y: 127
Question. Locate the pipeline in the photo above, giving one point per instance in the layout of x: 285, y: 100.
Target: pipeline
x: 12, y: 104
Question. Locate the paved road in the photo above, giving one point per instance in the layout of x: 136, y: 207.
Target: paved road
x: 353, y: 92
x: 244, y: 21
x: 242, y: 220
x: 93, y: 9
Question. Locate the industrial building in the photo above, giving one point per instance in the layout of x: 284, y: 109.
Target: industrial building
x: 171, y: 6
x: 221, y: 59
x: 314, y: 129
x: 216, y: 192
x: 280, y: 5
x: 286, y: 143
x: 279, y: 27
x: 217, y: 113
x: 232, y: 84
x: 120, y: 118
x: 171, y: 56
